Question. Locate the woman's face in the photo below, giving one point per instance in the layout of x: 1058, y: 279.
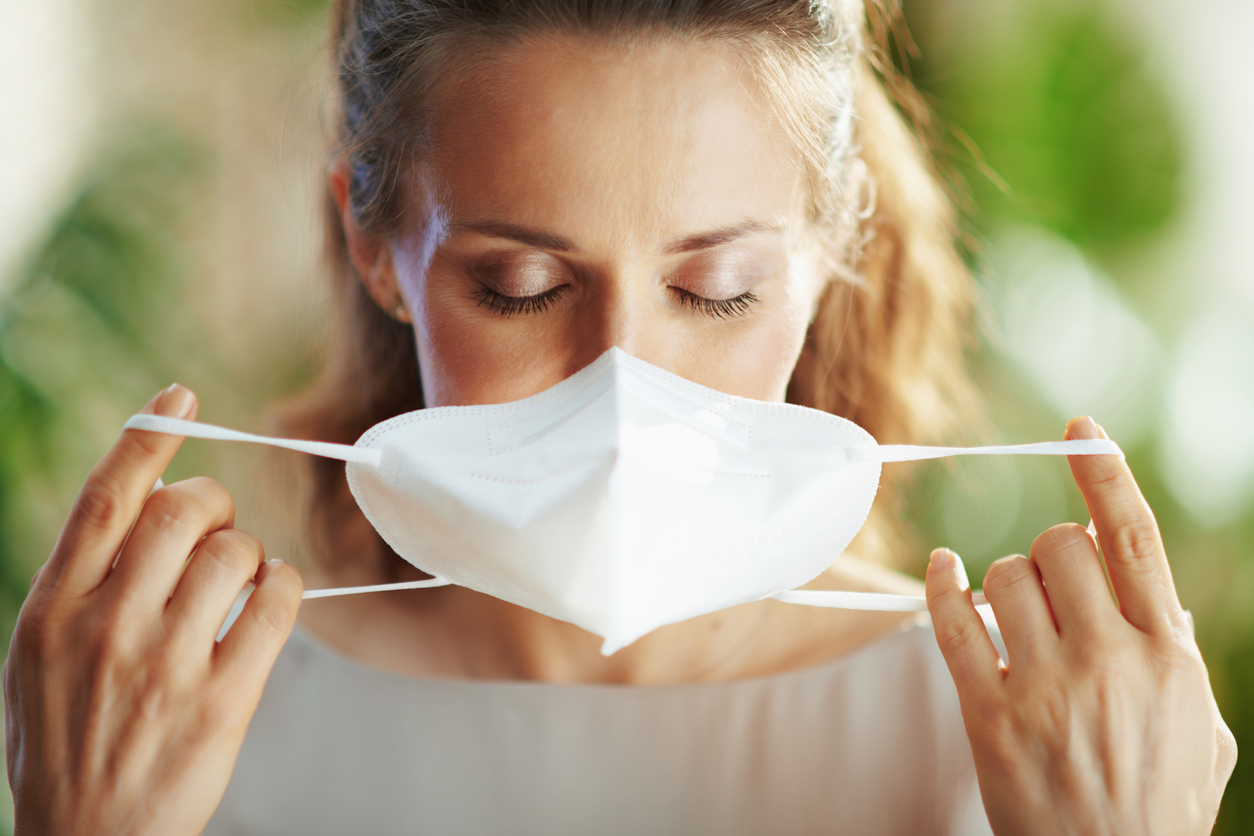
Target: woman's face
x: 580, y: 195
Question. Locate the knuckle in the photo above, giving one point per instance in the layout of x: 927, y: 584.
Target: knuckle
x: 32, y: 635
x: 190, y: 502
x: 168, y: 508
x: 1008, y: 572
x: 957, y: 634
x: 231, y: 552
x: 1175, y: 658
x: 148, y: 443
x: 1106, y: 475
x: 43, y: 624
x: 211, y: 492
x: 100, y: 507
x: 271, y: 621
x: 1133, y: 544
x: 275, y: 620
x: 1058, y: 539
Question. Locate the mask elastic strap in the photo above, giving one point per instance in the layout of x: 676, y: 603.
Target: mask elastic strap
x: 873, y: 601
x: 911, y: 452
x: 890, y: 602
x: 343, y: 452
x: 378, y: 587
x: 195, y: 429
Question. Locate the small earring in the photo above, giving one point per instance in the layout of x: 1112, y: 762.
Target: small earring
x: 400, y: 313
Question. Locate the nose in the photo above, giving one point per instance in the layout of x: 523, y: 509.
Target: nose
x: 620, y: 313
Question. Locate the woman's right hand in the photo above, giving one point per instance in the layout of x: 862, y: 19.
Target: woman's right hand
x: 123, y: 715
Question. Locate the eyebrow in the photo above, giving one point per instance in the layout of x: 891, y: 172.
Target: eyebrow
x: 705, y: 240
x: 530, y: 237
x: 547, y: 241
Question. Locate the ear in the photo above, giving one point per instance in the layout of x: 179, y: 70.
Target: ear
x: 369, y: 252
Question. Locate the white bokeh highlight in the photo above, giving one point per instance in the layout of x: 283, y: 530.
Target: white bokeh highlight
x: 1064, y: 324
x: 48, y: 115
x: 1207, y: 443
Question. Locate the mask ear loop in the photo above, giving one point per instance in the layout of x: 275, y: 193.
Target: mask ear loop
x: 877, y: 601
x: 195, y: 429
x: 911, y: 453
x: 891, y: 602
x: 871, y: 601
x: 344, y: 452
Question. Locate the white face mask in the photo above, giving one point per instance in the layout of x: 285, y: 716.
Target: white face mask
x: 623, y: 498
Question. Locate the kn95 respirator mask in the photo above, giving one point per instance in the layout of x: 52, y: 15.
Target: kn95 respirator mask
x: 623, y: 498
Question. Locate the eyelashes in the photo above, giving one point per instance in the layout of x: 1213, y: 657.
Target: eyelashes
x: 502, y: 305
x: 499, y: 303
x: 506, y: 282
x: 717, y: 308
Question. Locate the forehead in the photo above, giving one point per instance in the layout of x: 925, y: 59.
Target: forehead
x: 607, y: 141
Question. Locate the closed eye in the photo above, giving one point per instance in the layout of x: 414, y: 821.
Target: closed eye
x: 504, y: 305
x: 717, y: 308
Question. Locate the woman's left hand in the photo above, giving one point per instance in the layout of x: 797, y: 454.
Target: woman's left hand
x: 1103, y: 720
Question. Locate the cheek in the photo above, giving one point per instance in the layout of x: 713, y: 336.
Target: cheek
x: 760, y: 362
x: 753, y: 357
x: 784, y: 337
x: 469, y: 356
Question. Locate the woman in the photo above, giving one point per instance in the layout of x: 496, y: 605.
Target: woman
x: 723, y: 190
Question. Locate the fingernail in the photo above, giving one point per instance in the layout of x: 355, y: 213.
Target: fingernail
x: 944, y: 560
x: 940, y: 560
x: 276, y: 560
x: 176, y: 402
x: 1085, y: 427
x: 961, y: 571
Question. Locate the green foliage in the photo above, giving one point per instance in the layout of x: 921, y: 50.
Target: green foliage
x: 286, y: 12
x: 109, y: 249
x: 23, y: 450
x: 1056, y: 123
x: 1065, y: 114
x: 78, y: 316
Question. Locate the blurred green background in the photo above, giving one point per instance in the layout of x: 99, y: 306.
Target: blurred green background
x: 160, y: 211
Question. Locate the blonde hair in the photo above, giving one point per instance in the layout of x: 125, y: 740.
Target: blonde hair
x: 886, y: 347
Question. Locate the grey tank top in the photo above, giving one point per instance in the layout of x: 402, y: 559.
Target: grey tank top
x: 871, y: 743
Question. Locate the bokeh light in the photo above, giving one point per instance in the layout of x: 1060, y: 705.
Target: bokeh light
x: 1208, y: 441
x: 165, y: 156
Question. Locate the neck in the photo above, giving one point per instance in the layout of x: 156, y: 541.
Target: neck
x: 453, y: 632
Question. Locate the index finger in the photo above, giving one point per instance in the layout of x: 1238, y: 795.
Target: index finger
x: 1128, y: 535
x: 112, y: 496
